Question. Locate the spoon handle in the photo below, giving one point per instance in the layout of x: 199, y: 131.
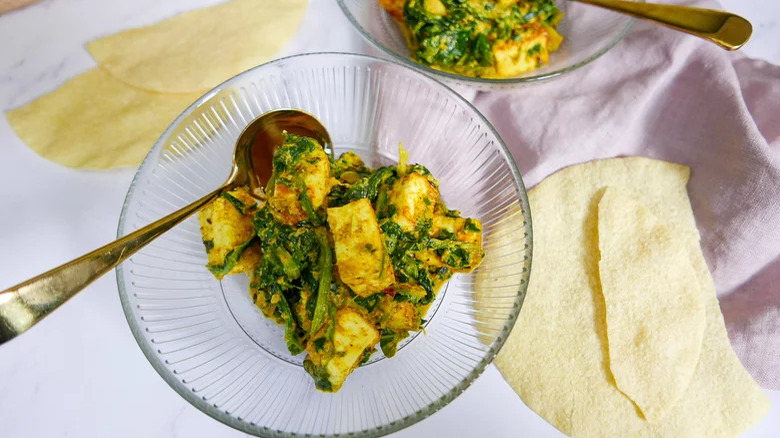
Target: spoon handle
x: 23, y: 305
x: 725, y: 29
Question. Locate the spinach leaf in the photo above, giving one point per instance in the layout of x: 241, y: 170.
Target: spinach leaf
x: 320, y: 375
x: 308, y: 208
x: 446, y: 234
x: 368, y: 187
x: 367, y: 353
x: 389, y: 339
x: 535, y: 49
x: 289, y: 265
x: 294, y: 344
x: 231, y: 259
x: 471, y: 226
x: 326, y: 275
x: 319, y: 344
x: 239, y: 204
x: 483, y: 51
x: 370, y: 302
x: 453, y: 253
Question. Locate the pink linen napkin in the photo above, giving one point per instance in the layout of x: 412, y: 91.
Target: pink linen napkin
x: 666, y: 95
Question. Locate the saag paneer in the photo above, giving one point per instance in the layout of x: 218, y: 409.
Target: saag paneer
x: 480, y: 38
x: 345, y: 257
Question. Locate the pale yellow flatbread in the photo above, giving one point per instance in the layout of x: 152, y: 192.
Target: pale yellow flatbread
x: 95, y: 121
x: 654, y: 305
x: 556, y: 357
x: 197, y: 50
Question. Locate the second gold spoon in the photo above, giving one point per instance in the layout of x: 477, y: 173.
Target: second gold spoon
x: 725, y: 29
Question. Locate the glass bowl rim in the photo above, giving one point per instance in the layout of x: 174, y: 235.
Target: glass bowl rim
x: 482, y: 81
x: 260, y: 430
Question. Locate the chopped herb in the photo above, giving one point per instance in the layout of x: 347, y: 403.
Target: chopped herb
x: 308, y: 208
x: 320, y: 375
x: 370, y: 302
x: 535, y: 49
x: 366, y: 356
x: 381, y: 205
x: 452, y: 213
x: 483, y: 52
x: 446, y: 234
x: 319, y: 344
x: 388, y: 341
x: 323, y: 290
x: 231, y: 259
x: 471, y: 226
x: 367, y: 187
x: 240, y: 206
x: 290, y: 332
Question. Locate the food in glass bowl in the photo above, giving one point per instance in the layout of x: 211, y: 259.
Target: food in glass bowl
x: 479, y: 38
x: 345, y: 257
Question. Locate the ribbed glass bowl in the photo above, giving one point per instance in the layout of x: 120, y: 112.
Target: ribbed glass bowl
x: 215, y: 348
x: 588, y: 33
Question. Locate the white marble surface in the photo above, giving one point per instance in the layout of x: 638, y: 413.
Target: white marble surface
x: 79, y: 373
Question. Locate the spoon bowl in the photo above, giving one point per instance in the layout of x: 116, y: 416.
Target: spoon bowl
x: 255, y: 147
x: 25, y: 304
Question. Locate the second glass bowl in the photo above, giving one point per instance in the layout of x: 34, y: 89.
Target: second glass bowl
x: 588, y: 33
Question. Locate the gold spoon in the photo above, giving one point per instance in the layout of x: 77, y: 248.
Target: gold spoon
x: 725, y: 29
x: 23, y: 305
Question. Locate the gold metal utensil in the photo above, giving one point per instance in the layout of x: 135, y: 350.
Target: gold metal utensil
x: 725, y: 29
x: 23, y: 305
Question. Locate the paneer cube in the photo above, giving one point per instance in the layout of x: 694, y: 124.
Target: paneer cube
x: 513, y: 57
x: 461, y: 228
x: 361, y: 257
x: 413, y: 198
x: 459, y: 243
x: 226, y: 226
x: 310, y: 169
x: 403, y: 316
x: 353, y: 335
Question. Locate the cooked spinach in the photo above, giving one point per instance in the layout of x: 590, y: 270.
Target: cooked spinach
x: 463, y: 39
x: 231, y: 259
x: 326, y: 275
x: 471, y: 226
x: 370, y: 302
x: 368, y: 187
x: 389, y: 340
x: 239, y: 204
x: 320, y: 375
x: 291, y: 333
x: 298, y: 282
